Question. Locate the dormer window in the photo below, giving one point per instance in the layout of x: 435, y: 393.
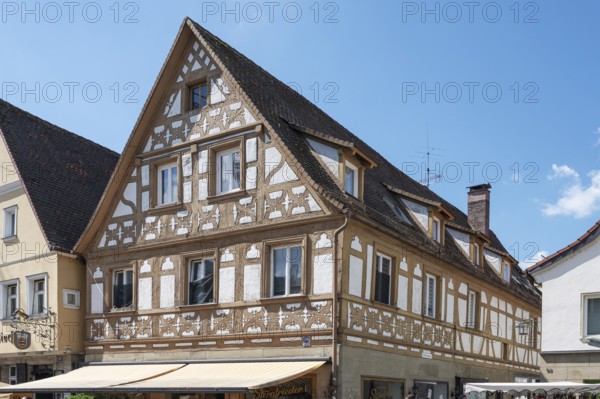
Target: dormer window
x: 437, y: 233
x: 351, y: 179
x: 506, y: 272
x: 476, y: 254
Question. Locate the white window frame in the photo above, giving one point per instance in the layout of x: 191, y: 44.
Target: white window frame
x: 506, y: 272
x: 433, y: 313
x: 379, y: 267
x: 12, y: 374
x: 114, y: 280
x: 218, y: 155
x: 10, y: 224
x: 4, y: 297
x: 76, y: 293
x: 190, y: 274
x: 159, y: 180
x: 31, y: 293
x: 287, y: 270
x: 472, y: 309
x: 437, y: 227
x: 584, y: 316
x: 354, y: 189
x: 191, y: 94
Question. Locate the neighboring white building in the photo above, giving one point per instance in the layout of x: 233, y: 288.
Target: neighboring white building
x: 571, y: 309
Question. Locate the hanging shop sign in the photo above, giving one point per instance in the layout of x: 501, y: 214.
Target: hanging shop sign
x: 21, y: 339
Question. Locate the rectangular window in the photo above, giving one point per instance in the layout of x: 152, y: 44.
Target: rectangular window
x: 199, y: 96
x: 472, y: 310
x: 10, y: 222
x: 39, y: 297
x: 506, y: 272
x: 123, y: 288
x: 436, y: 230
x: 286, y: 271
x: 201, y: 281
x: 351, y: 179
x: 12, y: 375
x: 12, y: 295
x: 167, y: 184
x: 476, y: 254
x: 592, y: 315
x: 383, y: 279
x: 228, y: 170
x: 430, y: 296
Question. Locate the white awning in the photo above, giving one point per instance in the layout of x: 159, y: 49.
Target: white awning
x: 225, y: 376
x: 94, y: 378
x: 517, y: 388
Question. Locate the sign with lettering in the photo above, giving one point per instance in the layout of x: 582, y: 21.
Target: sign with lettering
x: 21, y: 339
x: 301, y: 388
x: 383, y: 389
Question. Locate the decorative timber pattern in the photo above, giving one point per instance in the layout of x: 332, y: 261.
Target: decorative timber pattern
x: 277, y: 323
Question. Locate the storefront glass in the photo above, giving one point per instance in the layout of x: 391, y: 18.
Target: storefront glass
x: 382, y: 389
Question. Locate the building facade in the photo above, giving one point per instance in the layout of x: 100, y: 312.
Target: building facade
x: 42, y: 286
x: 571, y: 310
x: 243, y: 227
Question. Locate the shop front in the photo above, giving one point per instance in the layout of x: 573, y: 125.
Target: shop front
x: 255, y: 379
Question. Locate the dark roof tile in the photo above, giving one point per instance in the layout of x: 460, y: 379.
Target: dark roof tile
x: 64, y: 174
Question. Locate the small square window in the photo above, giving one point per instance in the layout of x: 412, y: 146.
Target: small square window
x: 167, y: 184
x: 201, y: 281
x: 351, y: 179
x: 123, y: 288
x: 228, y: 170
x: 71, y: 298
x: 286, y: 271
x: 199, y: 96
x: 10, y: 222
x: 383, y: 279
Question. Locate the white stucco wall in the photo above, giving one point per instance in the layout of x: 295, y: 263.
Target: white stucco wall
x: 563, y: 286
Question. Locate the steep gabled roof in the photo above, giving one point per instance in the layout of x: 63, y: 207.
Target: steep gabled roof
x: 290, y: 115
x: 575, y: 246
x: 63, y: 174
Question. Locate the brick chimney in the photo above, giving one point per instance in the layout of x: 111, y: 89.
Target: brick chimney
x: 479, y: 207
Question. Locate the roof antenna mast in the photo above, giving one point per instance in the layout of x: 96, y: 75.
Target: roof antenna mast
x: 429, y: 176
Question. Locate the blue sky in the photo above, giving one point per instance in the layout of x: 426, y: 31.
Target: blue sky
x: 506, y: 90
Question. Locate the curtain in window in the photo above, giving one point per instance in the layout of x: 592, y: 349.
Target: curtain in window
x: 201, y: 290
x: 123, y: 294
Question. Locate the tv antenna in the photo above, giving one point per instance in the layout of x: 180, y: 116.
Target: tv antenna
x: 428, y: 154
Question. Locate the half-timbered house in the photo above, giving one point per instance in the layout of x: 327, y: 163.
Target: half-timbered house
x: 248, y: 235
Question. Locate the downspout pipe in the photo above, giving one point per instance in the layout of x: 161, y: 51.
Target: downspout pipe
x: 338, y: 262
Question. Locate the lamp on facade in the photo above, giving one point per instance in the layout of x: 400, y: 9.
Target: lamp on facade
x: 415, y: 390
x: 523, y: 328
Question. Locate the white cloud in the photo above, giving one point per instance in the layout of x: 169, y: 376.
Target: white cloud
x: 559, y: 171
x: 576, y: 199
x: 533, y: 259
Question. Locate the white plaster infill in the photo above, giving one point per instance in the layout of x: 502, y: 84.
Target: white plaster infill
x: 10, y: 187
